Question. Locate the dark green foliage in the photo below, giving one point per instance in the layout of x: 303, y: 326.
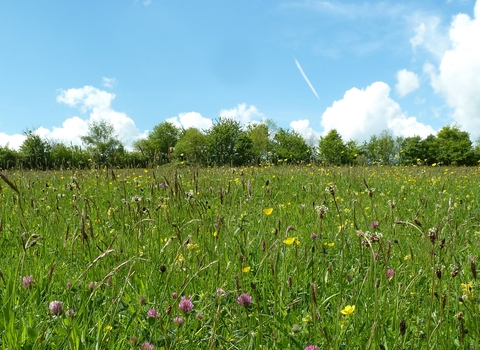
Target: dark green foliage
x: 35, y: 151
x: 104, y: 146
x: 331, y: 149
x: 222, y: 141
x: 191, y: 147
x: 159, y: 144
x: 454, y: 146
x: 291, y: 147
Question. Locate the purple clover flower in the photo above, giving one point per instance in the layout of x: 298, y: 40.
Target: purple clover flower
x: 56, y: 307
x: 390, y: 273
x: 28, y: 282
x: 179, y: 321
x: 312, y: 347
x: 244, y: 300
x: 185, y: 305
x: 153, y: 313
x: 147, y: 346
x: 374, y: 224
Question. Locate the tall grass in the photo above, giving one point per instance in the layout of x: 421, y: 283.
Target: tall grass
x: 339, y: 258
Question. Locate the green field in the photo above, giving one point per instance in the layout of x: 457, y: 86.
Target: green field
x: 339, y: 258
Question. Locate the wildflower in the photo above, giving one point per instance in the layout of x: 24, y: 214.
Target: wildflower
x: 244, y: 300
x: 56, y: 307
x: 28, y: 282
x: 467, y: 289
x: 179, y: 321
x: 390, y: 273
x: 91, y: 286
x: 153, y: 313
x: 107, y: 328
x: 374, y: 224
x: 185, y: 305
x: 348, y: 310
x: 70, y: 313
x: 312, y: 347
x: 268, y: 211
x: 330, y: 189
x: 289, y: 241
x: 246, y: 269
x: 407, y: 257
x: 174, y: 295
x: 321, y: 210
x: 220, y: 292
x: 69, y: 285
x: 313, y: 235
x: 199, y: 317
x: 147, y: 346
x: 329, y: 244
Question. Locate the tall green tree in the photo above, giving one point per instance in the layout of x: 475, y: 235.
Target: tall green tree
x: 35, y: 151
x: 103, y: 144
x: 159, y: 144
x: 454, y: 146
x: 191, y: 147
x: 291, y: 147
x: 331, y: 149
x: 261, y: 136
x: 222, y: 141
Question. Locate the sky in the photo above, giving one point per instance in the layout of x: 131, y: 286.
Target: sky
x: 361, y: 67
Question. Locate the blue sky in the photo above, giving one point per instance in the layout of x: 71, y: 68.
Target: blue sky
x: 361, y: 67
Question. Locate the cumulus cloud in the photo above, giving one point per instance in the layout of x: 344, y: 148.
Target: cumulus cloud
x: 363, y: 113
x: 12, y: 141
x: 429, y: 34
x: 243, y: 113
x: 302, y: 126
x: 407, y: 82
x: 457, y: 78
x: 191, y: 120
x: 95, y: 102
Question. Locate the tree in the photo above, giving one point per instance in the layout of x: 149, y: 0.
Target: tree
x: 8, y: 157
x: 260, y: 134
x: 103, y: 144
x: 331, y: 148
x: 243, y: 149
x: 191, y: 147
x: 160, y: 143
x: 222, y: 141
x: 454, y: 146
x: 35, y: 151
x: 290, y: 146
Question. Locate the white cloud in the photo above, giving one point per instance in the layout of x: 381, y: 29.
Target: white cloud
x: 363, y: 113
x: 243, y: 113
x: 302, y: 126
x: 406, y: 82
x: 458, y: 77
x: 12, y: 141
x: 429, y: 34
x: 191, y: 120
x: 98, y: 104
x: 109, y: 82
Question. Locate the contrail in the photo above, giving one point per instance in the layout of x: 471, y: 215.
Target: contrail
x: 306, y: 79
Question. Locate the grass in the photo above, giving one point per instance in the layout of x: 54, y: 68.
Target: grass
x: 339, y: 258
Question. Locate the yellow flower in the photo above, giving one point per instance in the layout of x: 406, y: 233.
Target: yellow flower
x: 407, y: 257
x: 289, y: 241
x: 348, y: 310
x: 107, y: 328
x: 268, y: 211
x: 326, y: 244
x: 246, y: 269
x: 215, y: 234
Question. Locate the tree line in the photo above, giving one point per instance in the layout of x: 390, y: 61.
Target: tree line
x: 227, y: 142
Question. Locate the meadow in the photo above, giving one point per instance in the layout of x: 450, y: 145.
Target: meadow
x: 285, y: 257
